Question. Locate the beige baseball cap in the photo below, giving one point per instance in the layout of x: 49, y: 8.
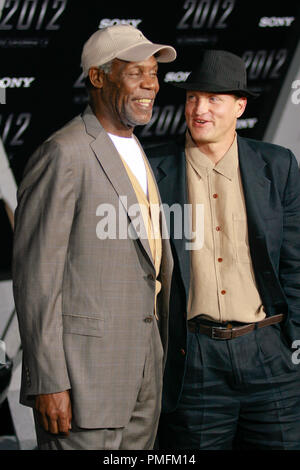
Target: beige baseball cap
x: 123, y: 42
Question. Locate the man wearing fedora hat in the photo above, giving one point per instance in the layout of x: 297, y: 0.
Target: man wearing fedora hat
x: 92, y: 293
x: 231, y: 379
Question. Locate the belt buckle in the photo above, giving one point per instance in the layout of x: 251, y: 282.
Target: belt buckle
x: 213, y: 332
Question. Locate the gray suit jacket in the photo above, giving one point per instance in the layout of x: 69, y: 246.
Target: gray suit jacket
x: 82, y: 301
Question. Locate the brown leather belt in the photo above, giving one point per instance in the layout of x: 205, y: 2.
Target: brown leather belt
x: 220, y: 332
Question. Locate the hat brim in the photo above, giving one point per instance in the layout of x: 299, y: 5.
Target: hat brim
x: 143, y: 51
x: 210, y: 89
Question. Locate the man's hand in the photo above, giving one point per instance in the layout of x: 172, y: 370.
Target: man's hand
x: 55, y: 412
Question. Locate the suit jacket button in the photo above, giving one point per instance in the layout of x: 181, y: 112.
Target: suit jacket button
x: 182, y: 352
x: 148, y: 319
x: 151, y: 277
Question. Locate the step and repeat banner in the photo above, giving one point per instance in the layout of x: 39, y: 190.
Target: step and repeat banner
x: 41, y: 83
x: 41, y: 43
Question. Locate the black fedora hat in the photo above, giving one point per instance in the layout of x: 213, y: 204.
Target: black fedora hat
x: 218, y: 72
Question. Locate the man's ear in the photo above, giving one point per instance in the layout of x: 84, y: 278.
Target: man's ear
x: 96, y: 77
x: 241, y: 103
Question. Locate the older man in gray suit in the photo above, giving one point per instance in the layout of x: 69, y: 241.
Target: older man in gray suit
x: 91, y: 285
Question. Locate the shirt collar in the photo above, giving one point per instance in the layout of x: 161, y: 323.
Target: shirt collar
x: 227, y: 166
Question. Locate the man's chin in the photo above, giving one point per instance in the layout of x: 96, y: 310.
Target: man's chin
x: 140, y: 120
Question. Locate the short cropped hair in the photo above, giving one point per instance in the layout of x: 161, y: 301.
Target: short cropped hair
x: 106, y: 69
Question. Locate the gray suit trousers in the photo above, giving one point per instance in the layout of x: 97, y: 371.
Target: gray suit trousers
x: 139, y: 433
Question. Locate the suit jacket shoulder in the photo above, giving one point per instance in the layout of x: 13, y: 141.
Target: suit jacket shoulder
x: 271, y: 153
x: 277, y: 163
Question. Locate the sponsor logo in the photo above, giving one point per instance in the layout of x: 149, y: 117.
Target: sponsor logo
x: 247, y: 123
x: 275, y: 21
x: 34, y: 15
x: 264, y: 64
x: 16, y: 82
x: 165, y: 120
x: 110, y: 22
x: 208, y: 14
x: 13, y: 127
x: 176, y: 76
x: 79, y: 82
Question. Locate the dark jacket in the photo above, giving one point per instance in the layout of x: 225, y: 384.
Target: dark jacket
x: 271, y: 184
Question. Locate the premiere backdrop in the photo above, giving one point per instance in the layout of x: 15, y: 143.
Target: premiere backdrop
x: 41, y: 43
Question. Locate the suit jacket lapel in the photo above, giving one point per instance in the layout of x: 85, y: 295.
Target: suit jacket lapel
x: 256, y: 187
x: 170, y: 174
x: 257, y: 192
x: 110, y: 161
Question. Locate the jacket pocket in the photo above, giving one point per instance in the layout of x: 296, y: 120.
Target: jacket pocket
x: 83, y: 325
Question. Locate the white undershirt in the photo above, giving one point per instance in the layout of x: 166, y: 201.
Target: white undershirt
x: 130, y: 151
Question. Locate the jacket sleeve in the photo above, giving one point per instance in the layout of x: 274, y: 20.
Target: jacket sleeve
x: 43, y: 223
x: 289, y: 269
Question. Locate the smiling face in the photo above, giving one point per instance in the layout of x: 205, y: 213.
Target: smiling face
x: 211, y: 117
x: 125, y: 96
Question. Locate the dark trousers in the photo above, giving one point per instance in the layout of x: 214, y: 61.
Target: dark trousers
x: 242, y: 393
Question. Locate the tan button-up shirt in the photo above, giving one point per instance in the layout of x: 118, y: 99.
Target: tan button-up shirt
x: 222, y: 284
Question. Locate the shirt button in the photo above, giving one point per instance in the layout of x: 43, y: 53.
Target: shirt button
x: 215, y: 196
x: 220, y: 260
x: 223, y: 292
x: 218, y: 229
